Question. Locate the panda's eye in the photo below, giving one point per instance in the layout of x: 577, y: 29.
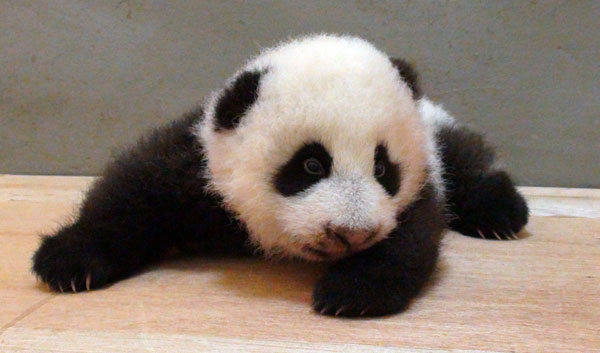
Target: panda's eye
x: 379, y: 169
x: 387, y: 173
x: 310, y: 164
x: 313, y: 166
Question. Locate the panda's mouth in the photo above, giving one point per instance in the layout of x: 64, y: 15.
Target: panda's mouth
x: 336, y: 243
x: 320, y: 254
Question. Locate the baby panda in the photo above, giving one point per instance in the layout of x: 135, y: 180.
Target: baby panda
x: 323, y: 149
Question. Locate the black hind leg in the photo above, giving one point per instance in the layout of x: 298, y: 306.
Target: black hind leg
x: 482, y: 201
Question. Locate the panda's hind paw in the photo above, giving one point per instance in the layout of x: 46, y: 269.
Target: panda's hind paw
x: 494, y: 210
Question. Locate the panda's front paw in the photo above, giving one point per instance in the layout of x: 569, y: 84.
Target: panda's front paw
x: 354, y: 294
x: 67, y: 265
x: 494, y: 210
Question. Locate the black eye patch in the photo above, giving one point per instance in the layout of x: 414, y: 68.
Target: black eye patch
x: 386, y: 172
x: 307, y: 166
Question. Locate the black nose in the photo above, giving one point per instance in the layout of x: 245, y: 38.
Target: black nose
x: 351, y: 237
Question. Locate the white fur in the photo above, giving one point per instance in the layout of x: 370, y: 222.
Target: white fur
x: 434, y: 116
x: 337, y: 90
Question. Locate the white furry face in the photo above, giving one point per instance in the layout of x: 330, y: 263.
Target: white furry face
x: 341, y: 94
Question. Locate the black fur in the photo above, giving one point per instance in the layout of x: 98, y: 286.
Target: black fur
x: 391, y: 179
x: 384, y: 278
x: 483, y: 202
x: 292, y: 179
x: 148, y: 201
x: 236, y: 100
x: 409, y: 75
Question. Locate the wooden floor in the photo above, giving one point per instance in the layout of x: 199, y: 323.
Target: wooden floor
x: 538, y: 294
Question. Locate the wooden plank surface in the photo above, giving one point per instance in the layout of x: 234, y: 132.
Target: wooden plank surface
x: 538, y: 294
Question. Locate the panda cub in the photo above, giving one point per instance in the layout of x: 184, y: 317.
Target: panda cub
x: 323, y: 149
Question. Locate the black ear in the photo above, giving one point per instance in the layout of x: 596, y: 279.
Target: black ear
x: 236, y: 100
x: 409, y: 75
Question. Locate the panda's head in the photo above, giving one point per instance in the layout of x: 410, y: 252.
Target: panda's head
x: 317, y: 146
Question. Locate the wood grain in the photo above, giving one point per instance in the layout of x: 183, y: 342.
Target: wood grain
x: 538, y: 294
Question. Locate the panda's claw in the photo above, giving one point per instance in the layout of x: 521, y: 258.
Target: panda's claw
x: 496, y: 235
x: 60, y: 288
x: 364, y: 311
x: 480, y: 234
x: 73, y: 286
x: 88, y: 281
x: 340, y: 310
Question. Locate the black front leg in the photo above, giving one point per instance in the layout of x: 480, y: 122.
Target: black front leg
x: 149, y: 200
x: 384, y: 278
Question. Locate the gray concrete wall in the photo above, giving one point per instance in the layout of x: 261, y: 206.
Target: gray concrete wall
x: 79, y: 78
